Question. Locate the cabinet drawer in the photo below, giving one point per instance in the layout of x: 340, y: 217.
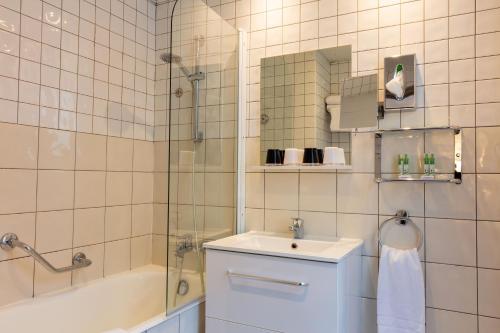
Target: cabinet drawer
x: 221, y: 326
x: 279, y: 294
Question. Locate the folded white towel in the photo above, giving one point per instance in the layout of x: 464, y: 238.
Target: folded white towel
x: 332, y: 100
x: 401, y: 295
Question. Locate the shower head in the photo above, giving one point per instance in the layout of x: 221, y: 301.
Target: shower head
x: 171, y: 58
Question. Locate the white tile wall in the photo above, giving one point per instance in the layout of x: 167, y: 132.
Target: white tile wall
x: 456, y: 43
x: 76, y: 125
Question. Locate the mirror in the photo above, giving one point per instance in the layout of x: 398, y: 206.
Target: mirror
x: 301, y: 104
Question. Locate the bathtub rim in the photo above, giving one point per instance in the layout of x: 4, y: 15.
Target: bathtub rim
x: 139, y: 328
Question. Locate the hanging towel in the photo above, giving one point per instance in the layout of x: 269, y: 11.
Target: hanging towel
x: 332, y: 100
x: 401, y: 294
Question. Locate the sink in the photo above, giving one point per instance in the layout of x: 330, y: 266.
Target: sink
x: 282, y: 245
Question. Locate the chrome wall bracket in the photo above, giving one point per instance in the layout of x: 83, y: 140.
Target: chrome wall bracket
x: 10, y: 241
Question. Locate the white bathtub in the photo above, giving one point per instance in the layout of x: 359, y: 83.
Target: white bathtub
x: 133, y: 301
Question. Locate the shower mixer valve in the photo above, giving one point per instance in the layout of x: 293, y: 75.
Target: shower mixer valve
x: 184, y: 245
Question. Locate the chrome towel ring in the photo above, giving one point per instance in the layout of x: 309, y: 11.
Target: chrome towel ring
x: 402, y: 218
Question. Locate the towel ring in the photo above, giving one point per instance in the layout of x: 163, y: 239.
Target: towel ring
x: 402, y: 218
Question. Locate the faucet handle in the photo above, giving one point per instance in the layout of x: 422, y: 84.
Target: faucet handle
x: 297, y: 224
x: 297, y: 227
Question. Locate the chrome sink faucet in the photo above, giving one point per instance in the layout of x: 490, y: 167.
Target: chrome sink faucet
x: 297, y: 227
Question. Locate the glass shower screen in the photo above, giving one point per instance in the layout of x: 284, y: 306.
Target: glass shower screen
x: 197, y: 144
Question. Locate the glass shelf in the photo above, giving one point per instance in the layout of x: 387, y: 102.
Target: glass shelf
x: 417, y: 178
x: 302, y: 168
x: 455, y: 178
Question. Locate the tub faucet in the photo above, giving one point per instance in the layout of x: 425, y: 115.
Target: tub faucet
x: 297, y: 227
x: 184, y: 245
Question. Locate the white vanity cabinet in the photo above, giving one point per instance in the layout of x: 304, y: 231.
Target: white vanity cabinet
x: 255, y: 293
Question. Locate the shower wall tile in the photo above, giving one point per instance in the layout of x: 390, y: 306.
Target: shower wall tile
x: 46, y: 281
x: 78, y: 92
x: 21, y: 224
x: 54, y: 230
x: 116, y: 257
x: 17, y: 273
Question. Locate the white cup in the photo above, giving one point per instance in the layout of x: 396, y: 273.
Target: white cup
x: 333, y: 155
x: 293, y: 156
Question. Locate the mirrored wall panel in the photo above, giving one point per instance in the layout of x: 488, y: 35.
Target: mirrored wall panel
x: 301, y: 102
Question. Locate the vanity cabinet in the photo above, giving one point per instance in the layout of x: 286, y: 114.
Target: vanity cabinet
x: 254, y: 293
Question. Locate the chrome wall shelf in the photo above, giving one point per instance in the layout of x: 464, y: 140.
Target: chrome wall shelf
x: 455, y: 178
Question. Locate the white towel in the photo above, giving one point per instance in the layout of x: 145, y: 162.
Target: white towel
x: 332, y: 100
x: 401, y: 294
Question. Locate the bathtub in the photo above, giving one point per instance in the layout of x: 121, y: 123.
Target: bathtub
x: 133, y: 301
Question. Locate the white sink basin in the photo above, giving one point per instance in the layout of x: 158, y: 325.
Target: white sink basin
x: 284, y: 246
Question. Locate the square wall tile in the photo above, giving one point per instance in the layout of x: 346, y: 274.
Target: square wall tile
x: 19, y: 273
x: 318, y: 192
x: 254, y: 195
x: 487, y: 197
x: 17, y: 191
x: 319, y: 223
x: 489, y: 292
x: 46, y: 281
x: 118, y: 188
x: 360, y: 226
x: 451, y: 241
x: 90, y: 189
x: 488, y: 242
x: 55, y: 190
x: 277, y: 220
x: 23, y: 225
x: 90, y: 152
x: 489, y: 325
x: 54, y: 230
x: 488, y: 153
x: 395, y: 196
x: 254, y: 219
x: 357, y: 193
x: 282, y: 191
x: 142, y: 219
x: 117, y: 257
x: 118, y: 222
x: 450, y: 287
x: 23, y: 153
x: 142, y: 187
x: 441, y: 199
x: 438, y: 321
x: 143, y: 156
x: 119, y: 154
x: 141, y: 251
x: 88, y: 226
x: 94, y: 271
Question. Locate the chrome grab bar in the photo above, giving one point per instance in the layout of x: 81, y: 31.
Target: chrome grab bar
x: 9, y: 241
x: 266, y: 279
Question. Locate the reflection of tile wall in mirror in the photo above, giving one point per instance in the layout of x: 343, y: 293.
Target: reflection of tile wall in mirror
x: 293, y: 91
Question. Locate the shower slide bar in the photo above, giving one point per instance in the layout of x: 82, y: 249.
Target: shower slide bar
x: 9, y: 241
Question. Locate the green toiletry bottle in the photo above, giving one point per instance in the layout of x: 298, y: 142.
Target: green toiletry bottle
x: 401, y: 161
x: 406, y: 164
x: 432, y: 165
x: 427, y: 167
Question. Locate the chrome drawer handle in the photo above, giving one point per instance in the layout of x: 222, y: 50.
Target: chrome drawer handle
x: 266, y: 279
